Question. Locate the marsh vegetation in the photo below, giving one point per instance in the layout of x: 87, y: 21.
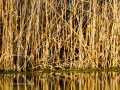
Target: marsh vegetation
x: 59, y: 34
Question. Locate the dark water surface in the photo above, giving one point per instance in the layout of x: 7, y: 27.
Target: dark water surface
x: 61, y: 80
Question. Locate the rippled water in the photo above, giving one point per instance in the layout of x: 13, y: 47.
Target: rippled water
x: 70, y: 80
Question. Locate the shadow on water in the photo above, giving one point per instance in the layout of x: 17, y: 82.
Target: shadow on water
x: 67, y: 80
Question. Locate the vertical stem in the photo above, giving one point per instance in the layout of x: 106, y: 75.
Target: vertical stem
x: 71, y: 39
x: 46, y: 32
x: 11, y: 36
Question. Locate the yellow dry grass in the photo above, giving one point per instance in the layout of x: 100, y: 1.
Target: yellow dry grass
x: 40, y: 34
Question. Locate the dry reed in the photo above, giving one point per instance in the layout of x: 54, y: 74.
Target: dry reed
x: 42, y: 34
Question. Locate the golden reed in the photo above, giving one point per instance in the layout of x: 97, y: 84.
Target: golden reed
x: 59, y: 34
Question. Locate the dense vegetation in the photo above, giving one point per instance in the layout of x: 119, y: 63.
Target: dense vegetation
x: 59, y: 34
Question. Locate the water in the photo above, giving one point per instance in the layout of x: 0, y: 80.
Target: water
x: 61, y: 80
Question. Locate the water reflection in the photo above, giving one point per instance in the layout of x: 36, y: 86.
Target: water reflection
x: 61, y: 81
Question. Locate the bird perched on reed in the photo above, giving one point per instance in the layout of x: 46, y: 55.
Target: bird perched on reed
x: 72, y: 10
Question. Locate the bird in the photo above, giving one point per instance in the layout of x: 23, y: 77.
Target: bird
x: 72, y: 10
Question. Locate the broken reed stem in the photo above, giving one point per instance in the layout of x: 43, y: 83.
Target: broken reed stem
x: 48, y: 34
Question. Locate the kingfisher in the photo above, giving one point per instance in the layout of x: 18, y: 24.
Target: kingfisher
x: 72, y: 10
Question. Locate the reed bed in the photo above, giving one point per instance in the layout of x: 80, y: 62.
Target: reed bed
x: 59, y: 34
x: 61, y: 81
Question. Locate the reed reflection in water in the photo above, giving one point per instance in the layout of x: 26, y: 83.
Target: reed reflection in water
x: 61, y: 81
